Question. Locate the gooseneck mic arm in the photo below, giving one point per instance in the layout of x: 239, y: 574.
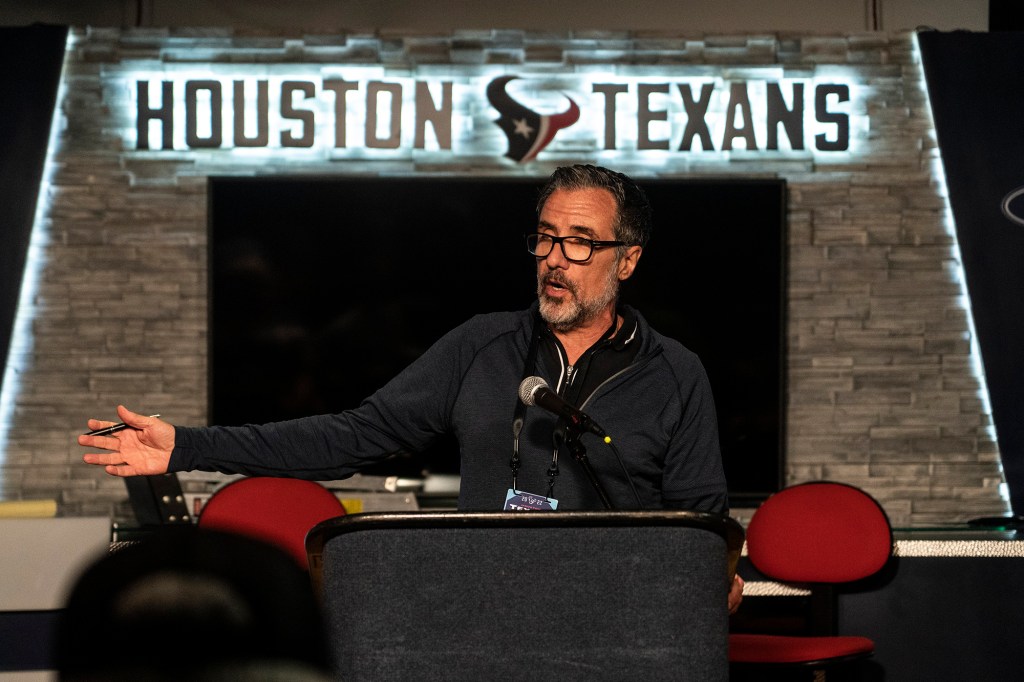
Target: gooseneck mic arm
x: 535, y: 391
x: 570, y: 437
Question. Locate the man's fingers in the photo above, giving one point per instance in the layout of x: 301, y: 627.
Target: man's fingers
x: 112, y: 463
x: 735, y: 594
x: 133, y: 419
x: 101, y: 442
x: 103, y: 458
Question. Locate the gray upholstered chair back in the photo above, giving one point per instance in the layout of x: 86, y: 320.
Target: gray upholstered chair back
x: 566, y: 596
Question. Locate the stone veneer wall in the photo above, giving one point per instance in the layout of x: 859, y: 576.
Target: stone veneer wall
x: 881, y: 391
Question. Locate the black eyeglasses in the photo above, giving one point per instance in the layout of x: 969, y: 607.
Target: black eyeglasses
x: 575, y: 249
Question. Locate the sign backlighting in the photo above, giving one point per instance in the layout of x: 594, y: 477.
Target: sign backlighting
x: 500, y: 114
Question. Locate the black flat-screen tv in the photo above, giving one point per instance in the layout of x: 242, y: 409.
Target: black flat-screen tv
x: 323, y: 288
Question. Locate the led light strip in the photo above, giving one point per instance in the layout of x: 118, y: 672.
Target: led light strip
x: 977, y: 367
x: 18, y: 352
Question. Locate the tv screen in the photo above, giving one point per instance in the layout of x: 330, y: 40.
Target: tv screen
x: 323, y: 288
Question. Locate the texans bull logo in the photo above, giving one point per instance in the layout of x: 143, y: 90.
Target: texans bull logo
x: 527, y: 131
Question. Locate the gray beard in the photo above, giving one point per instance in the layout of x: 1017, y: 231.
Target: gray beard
x: 564, y: 316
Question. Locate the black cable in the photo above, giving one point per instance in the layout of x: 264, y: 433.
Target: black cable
x: 629, y: 479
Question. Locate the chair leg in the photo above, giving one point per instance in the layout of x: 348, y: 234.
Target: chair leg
x: 755, y: 674
x: 854, y: 671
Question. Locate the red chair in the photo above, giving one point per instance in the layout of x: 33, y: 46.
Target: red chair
x: 817, y: 535
x: 277, y: 510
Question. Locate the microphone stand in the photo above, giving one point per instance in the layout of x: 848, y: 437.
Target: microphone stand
x: 579, y: 453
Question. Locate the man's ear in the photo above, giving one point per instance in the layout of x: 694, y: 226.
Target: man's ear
x: 627, y: 264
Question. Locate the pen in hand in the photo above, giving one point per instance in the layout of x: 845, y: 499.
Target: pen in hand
x: 107, y: 430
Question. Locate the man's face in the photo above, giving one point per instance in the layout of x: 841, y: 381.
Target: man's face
x: 574, y: 294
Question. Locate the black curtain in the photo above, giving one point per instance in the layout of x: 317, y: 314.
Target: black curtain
x: 30, y: 65
x: 976, y: 86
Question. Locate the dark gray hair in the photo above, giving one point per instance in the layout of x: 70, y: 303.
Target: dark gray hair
x: 633, y: 224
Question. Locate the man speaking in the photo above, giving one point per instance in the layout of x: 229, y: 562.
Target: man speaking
x: 648, y: 393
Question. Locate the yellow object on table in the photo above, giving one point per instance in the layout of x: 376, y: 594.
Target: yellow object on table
x: 28, y: 509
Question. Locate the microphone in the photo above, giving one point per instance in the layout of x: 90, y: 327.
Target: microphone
x: 535, y: 391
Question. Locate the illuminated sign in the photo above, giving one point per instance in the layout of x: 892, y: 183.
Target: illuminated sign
x: 207, y: 109
x: 364, y: 113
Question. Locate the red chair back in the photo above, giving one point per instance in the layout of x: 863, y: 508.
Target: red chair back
x: 280, y: 511
x: 820, y: 532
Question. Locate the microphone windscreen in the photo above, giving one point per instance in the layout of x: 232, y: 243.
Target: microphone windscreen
x: 528, y: 387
